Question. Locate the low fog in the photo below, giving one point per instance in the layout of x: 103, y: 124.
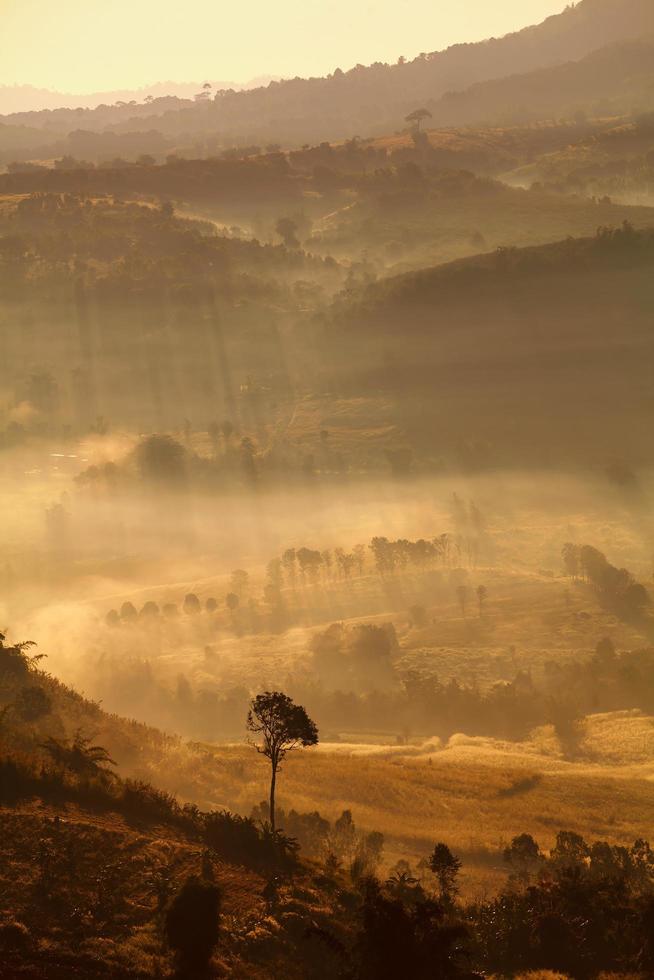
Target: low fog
x: 172, y: 603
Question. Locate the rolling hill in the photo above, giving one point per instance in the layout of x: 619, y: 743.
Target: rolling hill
x: 413, y: 218
x: 617, y: 79
x: 537, y: 354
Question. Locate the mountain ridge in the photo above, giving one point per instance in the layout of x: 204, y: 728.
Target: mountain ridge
x: 370, y: 100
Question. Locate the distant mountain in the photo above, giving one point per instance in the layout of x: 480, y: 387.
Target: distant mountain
x: 616, y: 79
x: 377, y: 98
x: 374, y: 100
x: 28, y: 98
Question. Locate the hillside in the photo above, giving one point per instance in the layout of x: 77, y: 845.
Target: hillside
x: 179, y: 299
x: 161, y: 297
x: 114, y: 851
x: 507, y: 349
x: 615, y: 80
x: 406, y: 203
x: 91, y: 860
x: 615, y: 163
x: 363, y: 100
x: 413, y: 218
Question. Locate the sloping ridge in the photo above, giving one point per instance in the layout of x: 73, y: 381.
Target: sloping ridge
x: 367, y: 100
x: 596, y: 290
x: 612, y: 78
x: 370, y: 99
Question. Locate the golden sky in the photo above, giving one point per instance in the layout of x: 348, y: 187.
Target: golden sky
x: 94, y: 45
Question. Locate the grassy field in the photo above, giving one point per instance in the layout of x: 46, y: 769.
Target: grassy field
x: 474, y: 793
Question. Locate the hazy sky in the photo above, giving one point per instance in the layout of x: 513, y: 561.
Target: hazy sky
x: 90, y: 45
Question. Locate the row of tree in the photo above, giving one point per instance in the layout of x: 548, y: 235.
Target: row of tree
x: 616, y: 587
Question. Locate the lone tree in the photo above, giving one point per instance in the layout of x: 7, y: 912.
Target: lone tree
x: 282, y: 725
x: 417, y: 117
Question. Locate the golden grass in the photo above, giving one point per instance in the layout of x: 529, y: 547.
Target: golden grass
x: 468, y: 794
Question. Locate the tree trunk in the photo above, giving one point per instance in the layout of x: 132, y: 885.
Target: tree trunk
x: 272, y: 796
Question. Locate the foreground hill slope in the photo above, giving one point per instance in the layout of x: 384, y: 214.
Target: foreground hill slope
x: 89, y: 861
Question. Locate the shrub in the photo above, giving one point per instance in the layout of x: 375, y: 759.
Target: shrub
x: 141, y: 799
x: 33, y: 703
x: 232, y: 836
x: 238, y: 839
x: 14, y: 936
x: 192, y: 923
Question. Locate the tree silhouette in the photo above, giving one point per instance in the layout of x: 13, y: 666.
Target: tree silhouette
x: 462, y: 597
x: 417, y: 117
x: 282, y: 725
x: 160, y: 458
x: 446, y: 867
x: 239, y: 581
x: 192, y: 604
x: 570, y: 556
x: 406, y: 940
x: 482, y: 595
x: 523, y: 855
x: 286, y: 228
x: 128, y: 612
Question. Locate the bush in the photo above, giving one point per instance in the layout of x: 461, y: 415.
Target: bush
x: 14, y: 936
x: 33, y: 703
x: 192, y: 923
x: 232, y: 836
x: 238, y: 839
x: 141, y: 799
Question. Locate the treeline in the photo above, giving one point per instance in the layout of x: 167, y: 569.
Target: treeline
x: 265, y: 180
x: 376, y: 98
x: 291, y: 579
x: 422, y: 705
x: 301, y: 566
x: 110, y: 238
x: 616, y: 588
x: 581, y: 909
x: 352, y: 684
